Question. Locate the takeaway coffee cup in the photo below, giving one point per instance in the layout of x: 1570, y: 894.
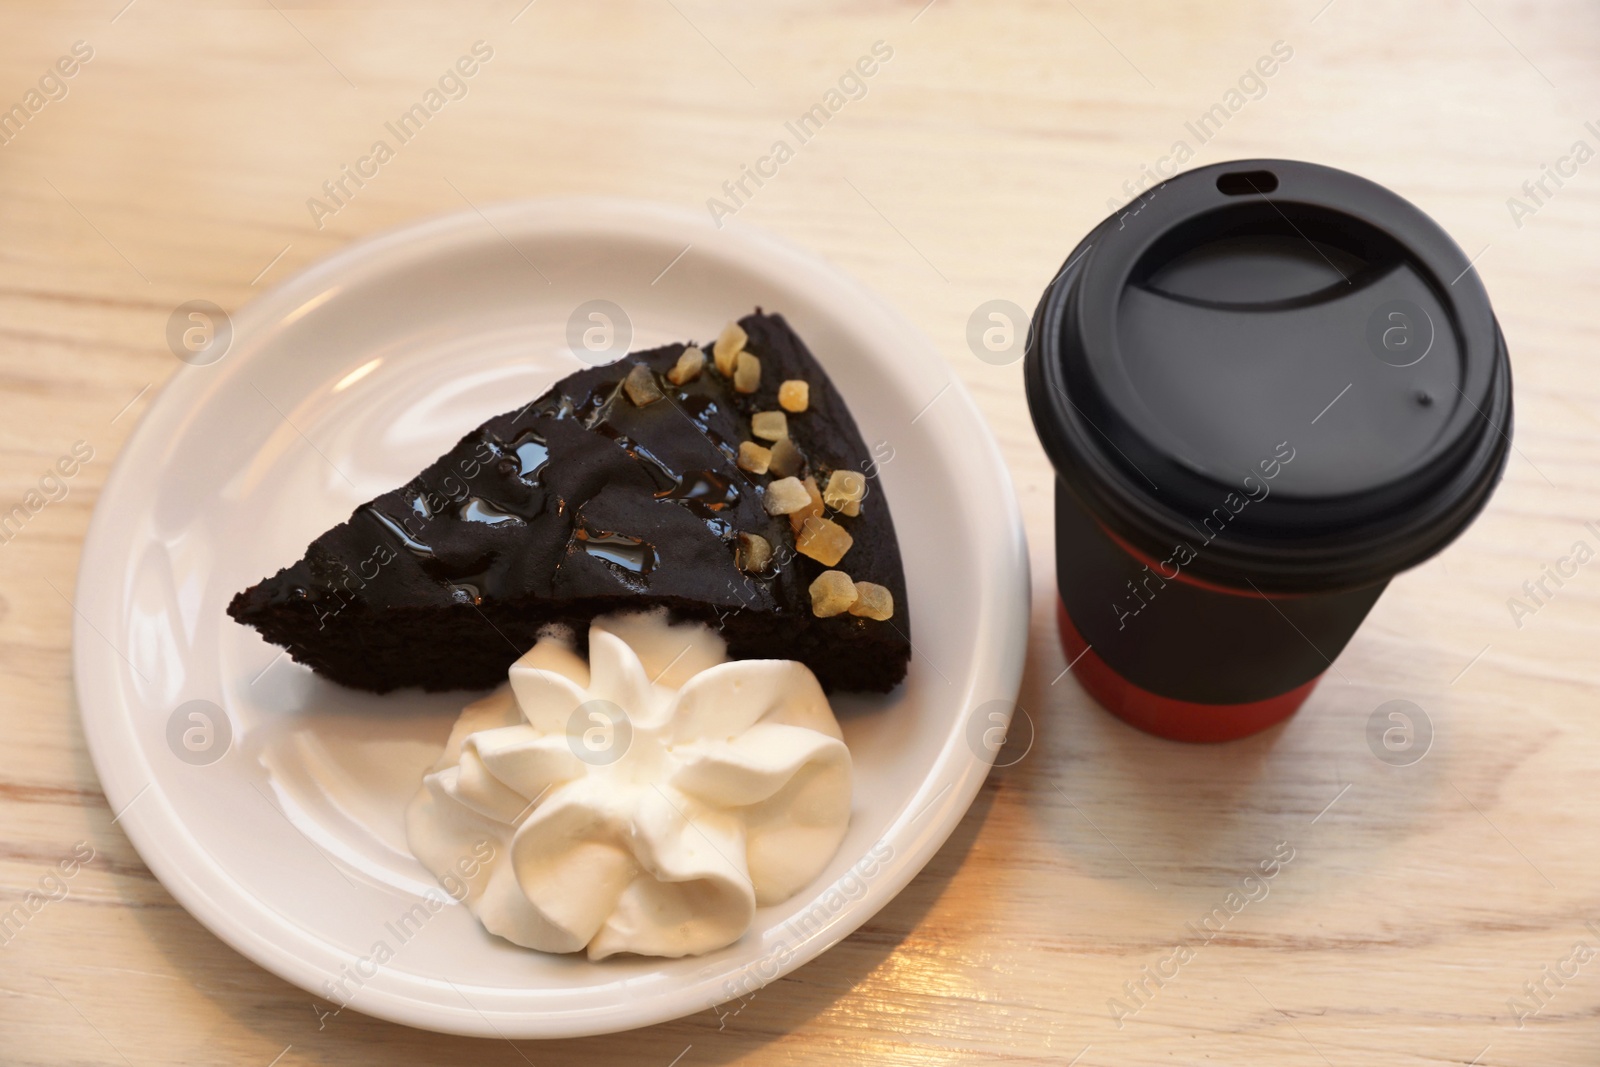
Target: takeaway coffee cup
x: 1266, y: 387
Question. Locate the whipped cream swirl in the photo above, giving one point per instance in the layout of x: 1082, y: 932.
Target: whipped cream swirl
x: 646, y: 801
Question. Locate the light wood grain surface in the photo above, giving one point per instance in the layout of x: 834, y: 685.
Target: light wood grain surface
x: 1419, y: 900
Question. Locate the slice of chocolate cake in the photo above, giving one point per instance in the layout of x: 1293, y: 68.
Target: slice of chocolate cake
x: 729, y: 485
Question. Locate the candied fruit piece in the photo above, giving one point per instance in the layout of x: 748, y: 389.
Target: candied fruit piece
x: 746, y: 373
x: 769, y: 425
x: 823, y: 540
x: 728, y: 346
x: 754, y: 458
x: 873, y: 601
x: 845, y: 491
x: 753, y: 553
x: 832, y: 594
x: 786, y: 459
x: 786, y: 495
x: 690, y: 363
x: 641, y: 386
x: 794, y: 395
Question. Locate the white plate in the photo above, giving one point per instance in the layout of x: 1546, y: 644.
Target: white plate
x: 342, y: 383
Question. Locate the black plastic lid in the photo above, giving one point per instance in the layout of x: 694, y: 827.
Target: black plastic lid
x: 1284, y: 367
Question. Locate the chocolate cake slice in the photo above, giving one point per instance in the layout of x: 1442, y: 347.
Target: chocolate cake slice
x: 721, y: 494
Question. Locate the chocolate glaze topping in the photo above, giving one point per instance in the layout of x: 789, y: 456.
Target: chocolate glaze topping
x: 581, y: 503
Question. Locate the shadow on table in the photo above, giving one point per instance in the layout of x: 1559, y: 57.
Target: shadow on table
x: 1165, y: 818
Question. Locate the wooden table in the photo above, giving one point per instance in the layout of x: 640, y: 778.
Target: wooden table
x: 1419, y: 899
